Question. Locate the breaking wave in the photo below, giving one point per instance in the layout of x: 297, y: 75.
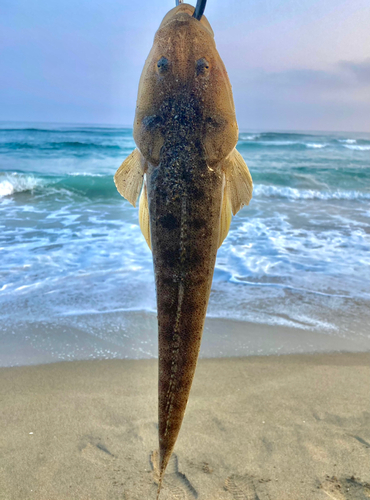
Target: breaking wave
x: 357, y: 147
x: 307, y: 194
x: 18, y: 183
x: 315, y: 145
x: 99, y: 185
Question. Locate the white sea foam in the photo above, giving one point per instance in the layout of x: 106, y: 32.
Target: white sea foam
x: 315, y: 145
x: 85, y: 174
x: 357, y: 147
x: 17, y: 183
x: 271, y: 253
x: 348, y: 141
x: 249, y: 137
x: 307, y: 194
x: 6, y: 188
x: 279, y: 143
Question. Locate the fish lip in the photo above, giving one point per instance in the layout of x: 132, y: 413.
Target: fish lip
x: 185, y: 11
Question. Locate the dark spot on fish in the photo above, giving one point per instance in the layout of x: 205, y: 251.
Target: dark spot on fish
x: 198, y: 223
x: 151, y: 122
x: 171, y: 258
x: 169, y: 304
x: 169, y: 221
x: 196, y: 193
x: 202, y: 66
x: 215, y: 122
x: 187, y: 176
x: 163, y: 65
x: 195, y: 258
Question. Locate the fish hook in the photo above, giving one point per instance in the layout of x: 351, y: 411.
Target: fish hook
x: 199, y: 9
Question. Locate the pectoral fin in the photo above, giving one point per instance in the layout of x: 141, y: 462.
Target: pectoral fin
x: 239, y: 183
x: 129, y: 177
x: 225, y: 216
x: 144, y: 215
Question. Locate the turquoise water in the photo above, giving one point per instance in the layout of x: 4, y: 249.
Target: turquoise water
x: 71, y: 247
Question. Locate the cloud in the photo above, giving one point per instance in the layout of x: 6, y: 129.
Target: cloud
x: 344, y: 75
x: 302, y: 98
x: 360, y: 70
x: 302, y: 78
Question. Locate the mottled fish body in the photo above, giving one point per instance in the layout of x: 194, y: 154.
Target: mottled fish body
x: 185, y: 130
x: 184, y: 204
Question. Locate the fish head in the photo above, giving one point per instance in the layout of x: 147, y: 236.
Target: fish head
x: 184, y: 95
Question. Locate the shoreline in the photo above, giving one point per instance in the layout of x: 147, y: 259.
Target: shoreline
x: 134, y: 336
x: 286, y: 427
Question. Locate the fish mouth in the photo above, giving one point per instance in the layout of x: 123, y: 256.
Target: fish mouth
x: 179, y: 12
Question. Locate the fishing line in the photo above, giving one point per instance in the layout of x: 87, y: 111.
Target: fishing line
x: 199, y: 9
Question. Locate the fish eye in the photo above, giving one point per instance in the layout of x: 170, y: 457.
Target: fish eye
x: 163, y: 64
x: 202, y: 66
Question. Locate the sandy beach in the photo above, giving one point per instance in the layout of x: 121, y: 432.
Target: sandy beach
x: 293, y: 427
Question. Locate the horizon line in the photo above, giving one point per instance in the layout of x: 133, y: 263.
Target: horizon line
x: 241, y: 129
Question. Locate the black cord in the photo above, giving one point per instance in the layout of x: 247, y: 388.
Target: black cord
x: 199, y: 9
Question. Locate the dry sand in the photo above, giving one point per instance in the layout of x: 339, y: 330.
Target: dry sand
x: 291, y: 427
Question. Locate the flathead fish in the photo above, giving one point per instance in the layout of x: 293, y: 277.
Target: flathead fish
x: 191, y: 179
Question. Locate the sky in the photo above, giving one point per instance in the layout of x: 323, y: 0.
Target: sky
x: 293, y: 64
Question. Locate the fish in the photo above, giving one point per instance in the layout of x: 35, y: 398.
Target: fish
x: 191, y: 179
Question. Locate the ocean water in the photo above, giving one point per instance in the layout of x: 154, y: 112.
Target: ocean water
x: 76, y: 277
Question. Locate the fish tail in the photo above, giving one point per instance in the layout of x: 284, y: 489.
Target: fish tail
x: 159, y: 486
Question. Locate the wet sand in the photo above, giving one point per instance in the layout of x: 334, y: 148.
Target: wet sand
x: 134, y: 335
x: 293, y: 427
